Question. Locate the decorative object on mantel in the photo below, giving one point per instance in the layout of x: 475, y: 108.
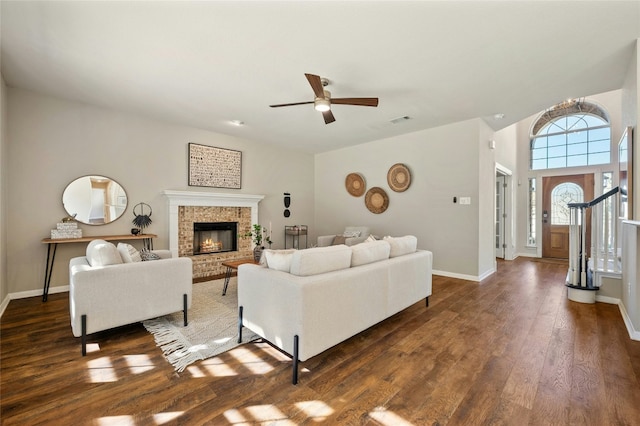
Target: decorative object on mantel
x: 376, y: 200
x: 66, y: 229
x: 258, y: 234
x: 214, y: 167
x: 399, y: 177
x: 355, y: 184
x: 142, y: 220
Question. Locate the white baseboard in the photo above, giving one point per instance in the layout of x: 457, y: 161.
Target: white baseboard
x: 609, y: 300
x: 30, y: 293
x: 633, y: 333
x: 4, y: 304
x: 455, y: 275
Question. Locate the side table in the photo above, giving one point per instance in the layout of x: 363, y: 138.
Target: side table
x: 231, y: 266
x: 295, y: 232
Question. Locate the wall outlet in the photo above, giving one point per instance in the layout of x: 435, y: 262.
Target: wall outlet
x: 465, y: 200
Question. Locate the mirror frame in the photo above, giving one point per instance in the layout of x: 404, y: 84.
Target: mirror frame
x: 79, y: 199
x: 625, y: 174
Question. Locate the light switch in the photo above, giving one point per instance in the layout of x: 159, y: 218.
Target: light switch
x: 465, y: 200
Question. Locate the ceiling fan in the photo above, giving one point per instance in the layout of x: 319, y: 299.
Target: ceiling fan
x: 323, y: 99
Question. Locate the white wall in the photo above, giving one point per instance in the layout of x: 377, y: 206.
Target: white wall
x: 4, y: 285
x: 444, y: 163
x: 631, y: 117
x: 52, y: 142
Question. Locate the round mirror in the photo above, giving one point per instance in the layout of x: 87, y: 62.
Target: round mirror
x: 94, y: 200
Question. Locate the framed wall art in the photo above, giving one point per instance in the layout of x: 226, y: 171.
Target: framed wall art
x: 214, y: 167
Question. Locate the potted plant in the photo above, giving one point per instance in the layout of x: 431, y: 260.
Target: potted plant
x: 258, y: 234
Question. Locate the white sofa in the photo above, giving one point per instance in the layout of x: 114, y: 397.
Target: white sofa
x: 352, y: 235
x: 306, y: 301
x: 109, y: 289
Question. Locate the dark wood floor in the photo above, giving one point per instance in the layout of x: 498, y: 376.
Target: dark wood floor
x: 509, y: 350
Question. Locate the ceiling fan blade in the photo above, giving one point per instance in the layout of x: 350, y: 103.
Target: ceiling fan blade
x: 328, y: 117
x: 372, y: 102
x: 316, y: 85
x: 295, y: 103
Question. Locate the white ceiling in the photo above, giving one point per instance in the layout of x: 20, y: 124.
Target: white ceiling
x: 205, y: 63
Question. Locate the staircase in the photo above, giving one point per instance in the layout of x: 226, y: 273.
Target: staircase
x: 588, y: 265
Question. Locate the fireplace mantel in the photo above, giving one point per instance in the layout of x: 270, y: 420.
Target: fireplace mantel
x: 205, y: 199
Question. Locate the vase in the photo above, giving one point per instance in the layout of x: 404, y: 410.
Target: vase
x: 257, y: 253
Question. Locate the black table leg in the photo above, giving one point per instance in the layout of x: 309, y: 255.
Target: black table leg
x: 48, y: 269
x: 227, y: 277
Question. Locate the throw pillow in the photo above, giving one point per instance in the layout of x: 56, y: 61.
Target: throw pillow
x: 402, y: 245
x: 339, y: 239
x: 369, y: 252
x: 129, y: 253
x: 370, y: 239
x: 319, y: 260
x: 148, y: 255
x: 102, y: 253
x: 280, y: 260
x: 351, y: 234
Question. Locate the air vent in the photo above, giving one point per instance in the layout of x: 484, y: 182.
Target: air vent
x: 400, y: 119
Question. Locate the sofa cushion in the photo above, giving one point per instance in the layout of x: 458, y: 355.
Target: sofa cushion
x: 102, y: 253
x: 402, y: 245
x: 319, y: 260
x: 128, y: 253
x: 280, y: 260
x: 369, y: 252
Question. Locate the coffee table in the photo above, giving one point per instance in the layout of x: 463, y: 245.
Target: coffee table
x: 231, y: 266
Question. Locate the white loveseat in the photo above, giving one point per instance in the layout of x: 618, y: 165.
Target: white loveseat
x: 109, y: 287
x: 352, y: 235
x: 306, y: 301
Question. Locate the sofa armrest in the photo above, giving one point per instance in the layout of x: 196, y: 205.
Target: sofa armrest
x: 325, y: 240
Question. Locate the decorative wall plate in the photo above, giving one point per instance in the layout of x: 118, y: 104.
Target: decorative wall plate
x: 376, y: 200
x: 355, y: 184
x: 399, y: 177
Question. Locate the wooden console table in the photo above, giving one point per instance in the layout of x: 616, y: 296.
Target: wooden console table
x: 147, y: 241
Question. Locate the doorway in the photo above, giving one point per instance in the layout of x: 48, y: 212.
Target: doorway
x: 503, y: 214
x: 500, y: 216
x: 557, y: 192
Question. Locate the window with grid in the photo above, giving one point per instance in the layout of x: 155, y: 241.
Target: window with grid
x: 570, y: 140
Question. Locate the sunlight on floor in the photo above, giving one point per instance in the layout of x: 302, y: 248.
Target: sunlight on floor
x: 212, y: 367
x: 251, y: 361
x: 139, y: 363
x: 162, y: 418
x: 257, y: 413
x: 101, y: 370
x: 116, y: 421
x: 388, y: 418
x: 316, y: 410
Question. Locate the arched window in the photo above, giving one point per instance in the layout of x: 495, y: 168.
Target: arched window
x: 573, y: 133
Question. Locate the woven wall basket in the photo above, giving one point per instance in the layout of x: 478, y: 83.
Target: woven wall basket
x: 399, y: 177
x: 355, y: 184
x: 376, y: 200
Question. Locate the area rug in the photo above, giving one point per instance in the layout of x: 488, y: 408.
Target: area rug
x: 212, y: 328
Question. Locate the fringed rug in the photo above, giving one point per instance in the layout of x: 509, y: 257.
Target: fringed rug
x: 212, y: 328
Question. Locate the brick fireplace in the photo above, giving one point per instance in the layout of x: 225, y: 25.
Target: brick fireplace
x: 189, y: 207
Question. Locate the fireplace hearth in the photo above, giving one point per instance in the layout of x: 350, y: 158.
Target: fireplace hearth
x: 214, y: 237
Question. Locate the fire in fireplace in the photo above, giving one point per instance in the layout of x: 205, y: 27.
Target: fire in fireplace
x: 214, y: 237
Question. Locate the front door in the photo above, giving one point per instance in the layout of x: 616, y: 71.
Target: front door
x: 557, y: 192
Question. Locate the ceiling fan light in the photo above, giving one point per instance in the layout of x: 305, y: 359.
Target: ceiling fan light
x: 322, y: 104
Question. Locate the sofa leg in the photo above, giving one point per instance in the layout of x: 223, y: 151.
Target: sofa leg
x: 184, y: 309
x: 295, y: 359
x: 427, y: 301
x: 240, y: 324
x: 83, y: 320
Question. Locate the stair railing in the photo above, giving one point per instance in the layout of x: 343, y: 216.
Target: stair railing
x: 603, y: 248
